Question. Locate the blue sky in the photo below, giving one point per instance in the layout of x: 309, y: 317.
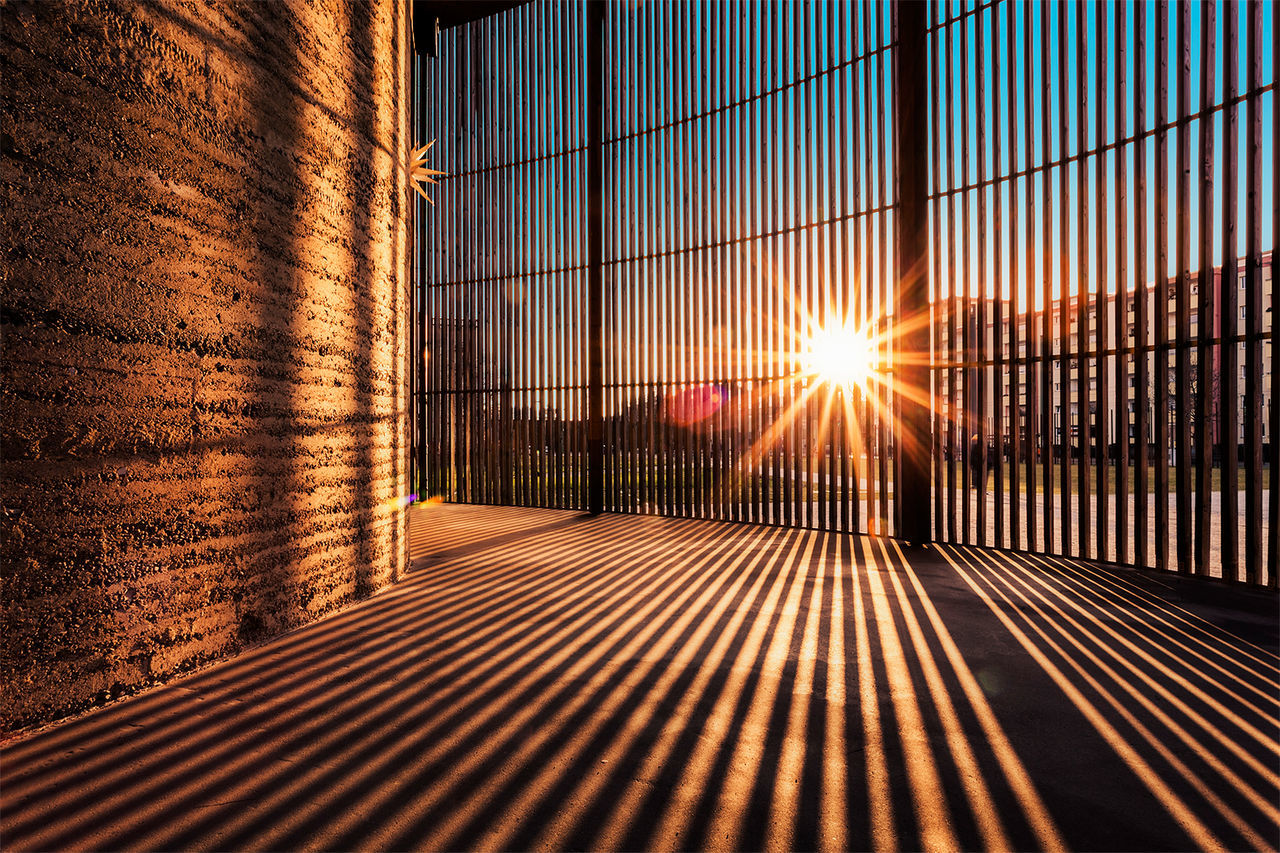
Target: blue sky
x: 1030, y: 66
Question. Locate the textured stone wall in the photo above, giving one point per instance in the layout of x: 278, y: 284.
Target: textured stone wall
x: 204, y: 332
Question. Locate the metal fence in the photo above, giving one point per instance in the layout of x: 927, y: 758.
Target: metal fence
x: 1103, y: 192
x: 502, y: 261
x: 763, y: 325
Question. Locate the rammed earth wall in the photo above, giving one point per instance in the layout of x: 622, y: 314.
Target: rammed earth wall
x: 204, y: 332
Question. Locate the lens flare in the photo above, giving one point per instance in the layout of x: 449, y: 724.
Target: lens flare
x: 693, y: 405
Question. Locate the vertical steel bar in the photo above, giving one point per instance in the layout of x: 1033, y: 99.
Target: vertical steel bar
x: 612, y: 337
x: 541, y: 279
x: 556, y: 330
x: 571, y: 334
x: 1142, y: 316
x: 967, y: 425
x: 1020, y: 366
x: 982, y: 297
x: 1085, y: 382
x: 493, y: 290
x: 418, y: 446
x: 999, y: 374
x: 1032, y: 286
x: 1182, y: 337
x: 670, y: 319
x: 449, y: 300
x: 627, y: 334
x: 678, y: 315
x: 611, y: 308
x: 710, y: 278
x: 938, y: 312
x: 776, y: 248
x: 483, y: 185
x: 1228, y: 398
x: 956, y: 424
x: 647, y: 284
x: 595, y: 256
x: 1253, y: 308
x: 789, y: 195
x: 813, y: 253
x: 509, y: 286
x: 911, y: 120
x: 748, y: 396
x: 883, y: 270
x: 696, y: 360
x: 1273, y: 553
x: 555, y: 255
x: 807, y: 215
x: 667, y: 318
x: 524, y: 331
x: 527, y: 230
x: 1046, y: 291
x: 858, y: 403
x: 1205, y: 416
x: 838, y: 142
x: 866, y: 264
x: 1161, y: 414
x: 550, y: 280
x: 639, y: 423
x: 658, y: 241
x: 510, y: 283
x: 704, y: 349
x: 1121, y: 303
x: 729, y: 395
x: 1064, y: 294
x: 715, y: 464
x: 577, y: 422
x: 487, y: 187
x: 436, y: 338
x: 1102, y: 363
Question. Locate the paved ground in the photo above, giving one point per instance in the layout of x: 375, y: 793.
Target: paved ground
x: 549, y: 681
x: 1236, y: 525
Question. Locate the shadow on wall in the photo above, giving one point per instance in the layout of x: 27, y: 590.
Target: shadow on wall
x: 195, y: 452
x: 551, y: 681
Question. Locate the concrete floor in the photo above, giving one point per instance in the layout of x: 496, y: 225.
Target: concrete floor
x: 545, y: 680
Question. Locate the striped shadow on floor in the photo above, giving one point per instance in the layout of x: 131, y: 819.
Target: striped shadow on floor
x: 548, y: 680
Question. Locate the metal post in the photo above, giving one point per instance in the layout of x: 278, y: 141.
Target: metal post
x: 912, y: 223
x: 595, y: 257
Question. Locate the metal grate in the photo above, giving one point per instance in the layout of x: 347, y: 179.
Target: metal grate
x: 503, y: 263
x: 1079, y: 170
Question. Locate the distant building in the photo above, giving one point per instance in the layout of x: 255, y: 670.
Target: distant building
x: 1009, y: 381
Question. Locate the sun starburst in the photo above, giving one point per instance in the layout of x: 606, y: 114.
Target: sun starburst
x: 419, y: 173
x: 832, y: 372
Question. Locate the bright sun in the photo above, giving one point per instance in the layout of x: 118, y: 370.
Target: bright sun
x: 843, y: 356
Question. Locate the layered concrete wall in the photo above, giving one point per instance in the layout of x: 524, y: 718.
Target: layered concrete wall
x: 204, y: 331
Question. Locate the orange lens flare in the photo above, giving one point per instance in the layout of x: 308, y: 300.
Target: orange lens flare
x: 693, y: 405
